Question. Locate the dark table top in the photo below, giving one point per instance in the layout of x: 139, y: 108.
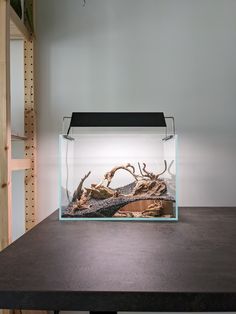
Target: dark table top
x: 188, y: 265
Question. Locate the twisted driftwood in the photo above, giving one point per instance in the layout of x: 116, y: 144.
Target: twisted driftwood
x: 79, y: 191
x: 110, y: 174
x: 150, y: 187
x: 149, y: 174
x: 146, y: 184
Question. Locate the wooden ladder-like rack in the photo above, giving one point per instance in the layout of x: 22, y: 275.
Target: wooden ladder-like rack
x: 12, y: 27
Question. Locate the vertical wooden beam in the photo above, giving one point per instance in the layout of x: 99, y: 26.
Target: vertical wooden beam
x: 5, y: 126
x: 30, y: 133
x: 5, y: 129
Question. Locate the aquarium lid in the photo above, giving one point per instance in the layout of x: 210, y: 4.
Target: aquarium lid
x: 117, y: 119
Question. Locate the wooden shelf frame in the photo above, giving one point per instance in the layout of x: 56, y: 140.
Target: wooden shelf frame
x: 12, y: 27
x: 17, y: 28
x: 30, y: 133
x: 5, y: 122
x: 17, y: 137
x: 20, y: 164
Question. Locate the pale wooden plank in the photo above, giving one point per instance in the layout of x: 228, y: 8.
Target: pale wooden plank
x: 17, y: 137
x: 5, y: 132
x: 20, y: 164
x: 17, y: 27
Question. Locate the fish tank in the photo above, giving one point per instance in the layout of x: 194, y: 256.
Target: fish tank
x: 118, y: 166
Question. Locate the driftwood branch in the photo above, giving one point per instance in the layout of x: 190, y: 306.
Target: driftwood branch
x: 165, y: 168
x: 145, y: 173
x: 147, y: 186
x: 79, y: 191
x: 140, y: 170
x: 169, y: 168
x: 151, y: 187
x: 148, y: 174
x: 109, y: 175
x: 146, y: 183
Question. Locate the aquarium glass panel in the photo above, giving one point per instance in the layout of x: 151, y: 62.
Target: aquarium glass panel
x: 118, y: 174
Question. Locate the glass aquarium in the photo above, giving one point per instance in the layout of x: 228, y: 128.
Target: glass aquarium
x: 118, y: 173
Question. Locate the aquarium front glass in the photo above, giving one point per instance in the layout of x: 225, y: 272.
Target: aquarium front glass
x: 118, y: 174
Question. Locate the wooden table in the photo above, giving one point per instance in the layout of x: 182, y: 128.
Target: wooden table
x: 188, y: 265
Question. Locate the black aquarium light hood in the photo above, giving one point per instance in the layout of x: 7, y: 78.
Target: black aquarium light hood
x: 118, y: 119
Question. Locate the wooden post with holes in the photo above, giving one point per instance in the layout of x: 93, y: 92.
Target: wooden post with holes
x: 30, y: 133
x: 5, y: 126
x: 7, y: 165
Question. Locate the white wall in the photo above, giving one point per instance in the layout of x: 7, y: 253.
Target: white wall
x: 143, y: 55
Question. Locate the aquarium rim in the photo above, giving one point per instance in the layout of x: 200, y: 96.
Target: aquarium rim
x: 116, y: 219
